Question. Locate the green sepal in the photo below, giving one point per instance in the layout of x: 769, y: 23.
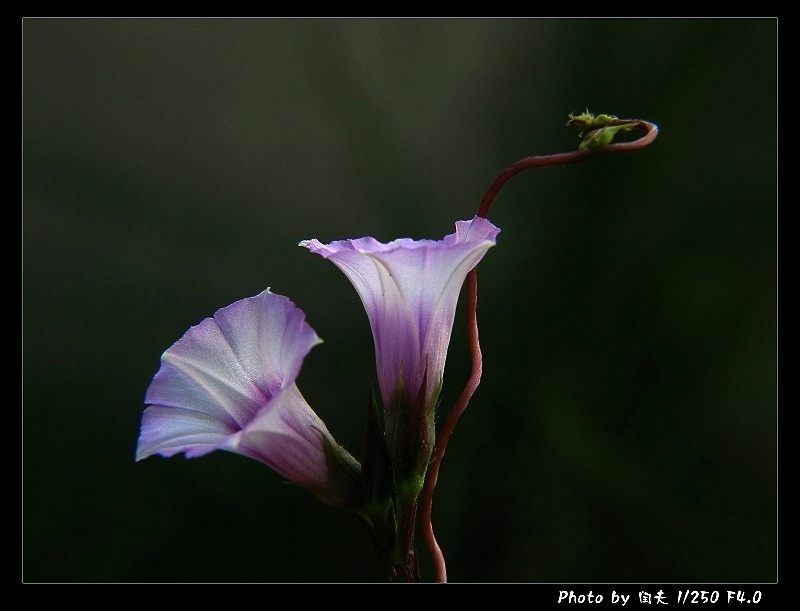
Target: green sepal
x: 410, y: 435
x: 376, y: 510
x: 344, y: 486
x: 376, y: 465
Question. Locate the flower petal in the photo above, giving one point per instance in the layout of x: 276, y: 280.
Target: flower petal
x: 170, y: 430
x: 222, y: 373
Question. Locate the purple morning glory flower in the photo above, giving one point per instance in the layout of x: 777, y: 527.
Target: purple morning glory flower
x: 410, y: 289
x: 229, y: 384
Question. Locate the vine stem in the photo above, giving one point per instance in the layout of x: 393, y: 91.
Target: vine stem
x: 426, y: 498
x: 539, y: 161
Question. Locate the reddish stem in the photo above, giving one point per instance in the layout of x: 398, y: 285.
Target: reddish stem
x: 540, y: 161
x: 440, y: 570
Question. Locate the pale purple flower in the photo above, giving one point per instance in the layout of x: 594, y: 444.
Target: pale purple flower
x: 229, y: 384
x: 410, y: 289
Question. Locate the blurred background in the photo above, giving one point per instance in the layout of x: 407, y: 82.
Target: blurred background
x: 626, y: 426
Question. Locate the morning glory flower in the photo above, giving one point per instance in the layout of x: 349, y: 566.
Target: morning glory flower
x: 410, y: 290
x: 229, y: 384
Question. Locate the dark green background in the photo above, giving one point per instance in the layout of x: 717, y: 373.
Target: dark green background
x: 626, y: 427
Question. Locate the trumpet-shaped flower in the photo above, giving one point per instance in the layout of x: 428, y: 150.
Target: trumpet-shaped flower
x: 229, y: 384
x: 410, y: 290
